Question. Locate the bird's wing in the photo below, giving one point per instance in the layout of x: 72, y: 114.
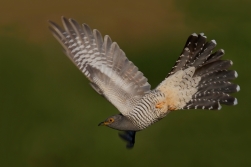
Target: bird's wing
x: 199, y: 78
x: 106, y: 66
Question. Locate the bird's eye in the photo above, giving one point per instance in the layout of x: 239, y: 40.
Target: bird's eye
x: 111, y: 120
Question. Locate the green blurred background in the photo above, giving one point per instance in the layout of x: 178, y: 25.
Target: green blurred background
x: 49, y: 113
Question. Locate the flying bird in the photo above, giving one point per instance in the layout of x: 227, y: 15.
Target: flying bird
x: 199, y: 79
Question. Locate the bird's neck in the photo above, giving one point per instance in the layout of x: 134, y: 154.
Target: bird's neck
x: 127, y: 125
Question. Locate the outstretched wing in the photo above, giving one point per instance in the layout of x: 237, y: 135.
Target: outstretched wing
x: 106, y: 66
x: 200, y: 79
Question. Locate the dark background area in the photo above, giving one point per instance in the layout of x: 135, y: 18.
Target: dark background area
x: 49, y: 113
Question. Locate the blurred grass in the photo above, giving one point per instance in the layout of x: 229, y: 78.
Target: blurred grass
x: 49, y: 113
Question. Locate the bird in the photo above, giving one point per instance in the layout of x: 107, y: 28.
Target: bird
x: 199, y: 79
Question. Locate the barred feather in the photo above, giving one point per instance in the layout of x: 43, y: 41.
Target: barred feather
x: 220, y: 75
x: 106, y: 66
x: 214, y: 86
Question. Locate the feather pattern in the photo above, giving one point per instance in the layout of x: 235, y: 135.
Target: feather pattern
x: 198, y: 80
x: 213, y: 86
x: 106, y: 66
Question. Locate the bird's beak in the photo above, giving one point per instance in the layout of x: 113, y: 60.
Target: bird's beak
x: 102, y: 124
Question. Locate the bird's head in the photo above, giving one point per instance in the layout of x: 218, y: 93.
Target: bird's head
x: 118, y: 122
x: 112, y: 121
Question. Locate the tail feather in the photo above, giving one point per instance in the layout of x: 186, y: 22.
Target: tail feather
x: 215, y: 56
x: 213, y: 66
x: 195, y: 53
x: 202, y: 57
x: 186, y: 55
x: 224, y: 97
x: 222, y: 86
x: 214, y: 87
x: 203, y: 104
x: 222, y: 75
x: 195, y: 44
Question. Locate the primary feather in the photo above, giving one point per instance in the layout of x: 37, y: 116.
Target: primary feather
x: 110, y: 72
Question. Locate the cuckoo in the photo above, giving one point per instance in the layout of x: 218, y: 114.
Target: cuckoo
x: 199, y: 79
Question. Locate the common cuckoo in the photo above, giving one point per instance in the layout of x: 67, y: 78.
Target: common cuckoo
x: 199, y: 79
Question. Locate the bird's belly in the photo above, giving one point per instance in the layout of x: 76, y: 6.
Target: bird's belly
x: 146, y: 112
x: 143, y: 121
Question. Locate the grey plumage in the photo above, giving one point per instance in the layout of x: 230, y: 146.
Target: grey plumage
x: 198, y: 80
x: 119, y: 122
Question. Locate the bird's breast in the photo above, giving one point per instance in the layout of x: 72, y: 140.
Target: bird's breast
x: 150, y: 109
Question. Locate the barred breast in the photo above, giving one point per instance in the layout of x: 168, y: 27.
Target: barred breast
x: 147, y: 111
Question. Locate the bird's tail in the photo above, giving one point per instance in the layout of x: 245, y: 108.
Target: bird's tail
x: 197, y: 64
